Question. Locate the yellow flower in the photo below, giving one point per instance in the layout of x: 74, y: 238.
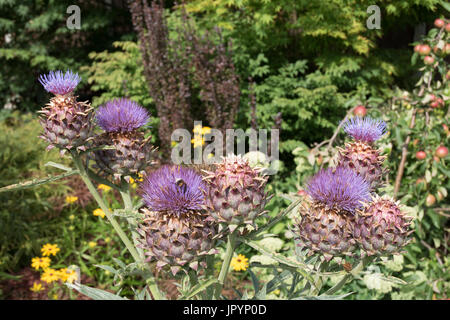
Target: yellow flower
x: 99, y: 213
x: 239, y: 263
x: 71, y: 217
x: 71, y: 199
x: 92, y: 244
x: 50, y: 275
x: 71, y: 228
x: 40, y: 262
x: 206, y: 130
x: 67, y: 275
x: 104, y: 187
x: 107, y: 239
x: 50, y: 249
x: 197, y: 129
x: 198, y: 141
x: 36, y: 287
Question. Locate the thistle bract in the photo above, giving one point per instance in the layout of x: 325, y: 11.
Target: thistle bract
x: 66, y: 122
x: 176, y: 230
x: 382, y: 228
x: 235, y: 192
x: 131, y: 151
x: 121, y: 115
x: 360, y: 155
x: 60, y: 83
x: 333, y: 197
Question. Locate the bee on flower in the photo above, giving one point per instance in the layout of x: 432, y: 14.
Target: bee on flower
x: 239, y: 263
x: 40, y: 262
x: 50, y: 249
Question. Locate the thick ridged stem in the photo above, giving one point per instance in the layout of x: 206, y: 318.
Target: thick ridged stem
x: 84, y: 176
x: 231, y: 243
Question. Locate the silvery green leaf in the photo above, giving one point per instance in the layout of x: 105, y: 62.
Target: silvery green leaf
x: 57, y: 165
x: 200, y: 287
x: 324, y: 297
x: 120, y: 263
x: 107, y: 268
x: 261, y: 294
x: 94, y: 293
x: 36, y: 182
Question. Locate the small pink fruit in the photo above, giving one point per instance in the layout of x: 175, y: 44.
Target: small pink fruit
x: 360, y: 111
x: 447, y: 27
x: 420, y: 155
x: 430, y: 200
x: 434, y: 104
x: 439, y: 23
x: 424, y: 50
x: 428, y: 60
x: 441, y: 152
x: 417, y: 48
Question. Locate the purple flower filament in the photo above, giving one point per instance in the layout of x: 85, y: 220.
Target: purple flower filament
x: 121, y: 115
x: 173, y: 189
x: 341, y: 188
x: 365, y: 129
x: 59, y: 83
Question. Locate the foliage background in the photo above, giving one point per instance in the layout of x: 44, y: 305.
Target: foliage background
x: 310, y: 60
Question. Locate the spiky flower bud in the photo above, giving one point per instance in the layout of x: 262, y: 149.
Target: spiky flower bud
x: 381, y: 227
x: 131, y: 153
x: 176, y: 230
x: 67, y: 123
x: 333, y: 197
x: 360, y: 155
x: 235, y: 192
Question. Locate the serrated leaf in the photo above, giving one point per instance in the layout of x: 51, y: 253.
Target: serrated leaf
x: 94, y: 293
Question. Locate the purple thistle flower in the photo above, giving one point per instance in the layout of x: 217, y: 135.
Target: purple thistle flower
x: 365, y: 129
x: 58, y: 83
x: 173, y: 189
x: 121, y: 115
x: 340, y: 188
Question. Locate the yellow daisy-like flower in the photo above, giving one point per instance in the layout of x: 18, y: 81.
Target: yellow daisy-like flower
x: 107, y: 239
x: 72, y: 217
x: 50, y: 249
x: 92, y: 244
x: 99, y: 213
x: 50, y: 275
x: 71, y: 199
x: 36, y: 287
x: 40, y: 262
x: 67, y: 275
x: 104, y: 187
x: 239, y: 263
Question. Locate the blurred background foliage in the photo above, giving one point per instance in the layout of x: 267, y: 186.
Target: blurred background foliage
x: 311, y: 61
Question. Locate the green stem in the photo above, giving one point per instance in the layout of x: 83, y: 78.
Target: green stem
x: 231, y: 239
x: 84, y: 176
x: 128, y: 204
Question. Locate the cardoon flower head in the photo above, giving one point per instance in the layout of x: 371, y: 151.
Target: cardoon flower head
x: 341, y: 188
x: 60, y: 83
x: 121, y: 115
x: 365, y: 129
x: 173, y: 189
